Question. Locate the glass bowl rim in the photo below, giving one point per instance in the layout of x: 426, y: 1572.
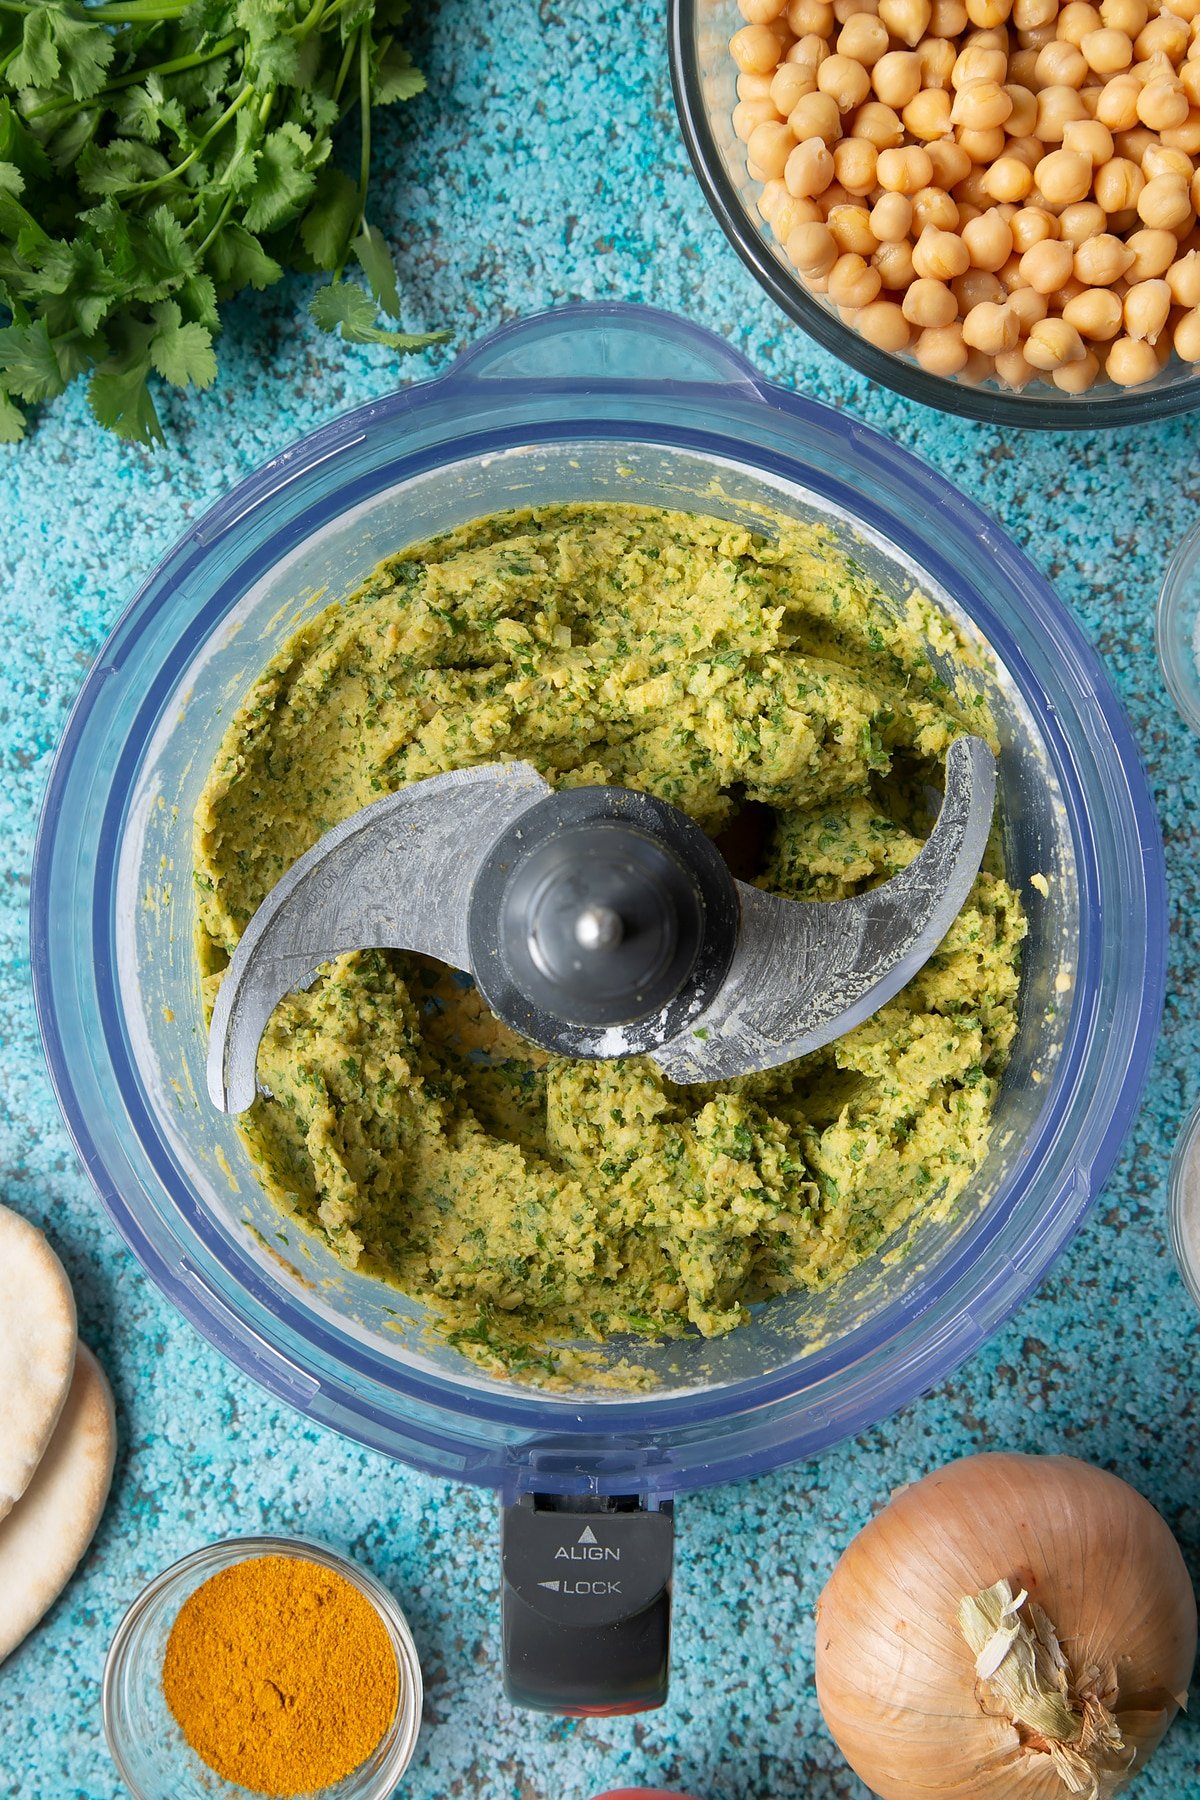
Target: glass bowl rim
x: 1185, y: 558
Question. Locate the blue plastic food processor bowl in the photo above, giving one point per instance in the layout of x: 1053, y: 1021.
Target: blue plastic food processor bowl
x: 590, y: 403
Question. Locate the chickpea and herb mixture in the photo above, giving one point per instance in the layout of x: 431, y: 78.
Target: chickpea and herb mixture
x: 746, y: 678
x: 1007, y: 189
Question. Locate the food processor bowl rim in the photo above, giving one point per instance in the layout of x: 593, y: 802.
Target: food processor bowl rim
x: 1031, y: 410
x: 754, y: 1393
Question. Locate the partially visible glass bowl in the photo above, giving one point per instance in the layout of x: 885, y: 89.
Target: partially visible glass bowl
x: 1177, y: 629
x: 155, y: 1760
x: 704, y: 77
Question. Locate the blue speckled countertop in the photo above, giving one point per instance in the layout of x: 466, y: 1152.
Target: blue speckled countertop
x: 545, y: 165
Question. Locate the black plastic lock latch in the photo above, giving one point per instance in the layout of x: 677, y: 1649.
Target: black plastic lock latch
x: 586, y: 1604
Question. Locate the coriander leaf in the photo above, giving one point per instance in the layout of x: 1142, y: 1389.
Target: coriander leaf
x: 343, y: 306
x: 120, y: 399
x: 395, y: 78
x: 198, y: 300
x: 18, y: 145
x: 162, y: 255
x: 238, y: 260
x: 85, y: 50
x: 375, y: 260
x: 181, y: 353
x: 11, y: 179
x: 272, y: 53
x: 12, y: 420
x: 36, y: 64
x: 28, y: 364
x: 283, y: 181
x: 64, y: 146
x: 120, y: 167
x: 326, y: 226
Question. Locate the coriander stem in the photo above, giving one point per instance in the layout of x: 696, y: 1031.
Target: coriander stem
x: 145, y: 187
x: 195, y: 61
x: 217, y: 227
x: 364, y: 101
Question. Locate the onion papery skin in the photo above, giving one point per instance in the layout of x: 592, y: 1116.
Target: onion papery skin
x: 895, y: 1677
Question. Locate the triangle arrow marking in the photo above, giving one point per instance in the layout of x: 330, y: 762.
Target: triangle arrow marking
x: 552, y: 1585
x: 588, y: 1536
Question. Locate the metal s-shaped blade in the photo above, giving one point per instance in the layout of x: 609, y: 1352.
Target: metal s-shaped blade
x: 805, y: 972
x: 396, y: 876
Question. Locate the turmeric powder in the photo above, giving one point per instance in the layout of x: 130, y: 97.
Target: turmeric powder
x: 281, y: 1675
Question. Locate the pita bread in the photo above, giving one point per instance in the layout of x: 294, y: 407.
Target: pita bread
x: 37, y: 1351
x: 47, y: 1532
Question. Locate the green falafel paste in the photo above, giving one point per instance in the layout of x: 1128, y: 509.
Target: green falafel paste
x: 742, y: 675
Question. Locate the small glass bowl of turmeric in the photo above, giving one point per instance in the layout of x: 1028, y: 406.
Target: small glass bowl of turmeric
x: 262, y: 1666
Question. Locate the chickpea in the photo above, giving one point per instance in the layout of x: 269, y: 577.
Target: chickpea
x: 760, y: 12
x: 1153, y: 253
x: 940, y: 255
x: 834, y: 195
x: 1023, y: 117
x: 755, y: 49
x: 936, y: 58
x: 1056, y: 107
x: 927, y: 116
x: 854, y: 166
x: 904, y: 171
x: 851, y: 228
x: 1012, y: 370
x: 1117, y: 105
x: 845, y: 81
x: 1061, y: 65
x: 1096, y: 314
x: 1147, y: 309
x: 1036, y: 40
x: 989, y: 241
x: 941, y: 350
x: 1128, y: 16
x: 1164, y: 202
x: 878, y: 124
x: 1027, y: 15
x: 809, y: 53
x: 1101, y: 260
x: 1088, y: 137
x: 929, y: 304
x: 1052, y: 343
x: 981, y: 106
x: 1159, y: 160
x: 770, y: 145
x: 1118, y: 184
x: 895, y: 265
x: 1076, y: 20
x: 1185, y: 137
x: 1107, y: 52
x: 1063, y: 177
x: 991, y: 328
x: 1008, y: 179
x: 896, y: 77
x: 972, y: 192
x: 983, y: 147
x: 951, y: 164
x: 1194, y: 192
x: 805, y: 16
x: 989, y: 13
x: 883, y: 324
x: 934, y: 206
x: 1164, y: 36
x: 1077, y: 377
x: 907, y: 19
x: 1133, y: 144
x: 978, y: 62
x: 748, y: 115
x: 976, y: 286
x: 1162, y: 105
x: 753, y: 170
x: 1022, y: 68
x: 845, y: 9
x: 1183, y: 279
x: 754, y: 87
x: 863, y: 38
x: 1082, y: 221
x: 1189, y: 76
x: 1029, y: 306
x: 948, y: 18
x: 891, y: 218
x: 1187, y: 336
x: 792, y: 212
x: 813, y: 249
x: 1130, y: 362
x: 790, y: 84
x: 1032, y: 225
x: 1046, y: 266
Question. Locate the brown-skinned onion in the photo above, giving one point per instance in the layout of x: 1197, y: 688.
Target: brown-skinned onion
x: 896, y: 1677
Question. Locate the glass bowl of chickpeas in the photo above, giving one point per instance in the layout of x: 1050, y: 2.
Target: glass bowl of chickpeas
x: 988, y: 205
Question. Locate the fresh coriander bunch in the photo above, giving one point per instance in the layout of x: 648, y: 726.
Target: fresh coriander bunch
x: 155, y: 158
